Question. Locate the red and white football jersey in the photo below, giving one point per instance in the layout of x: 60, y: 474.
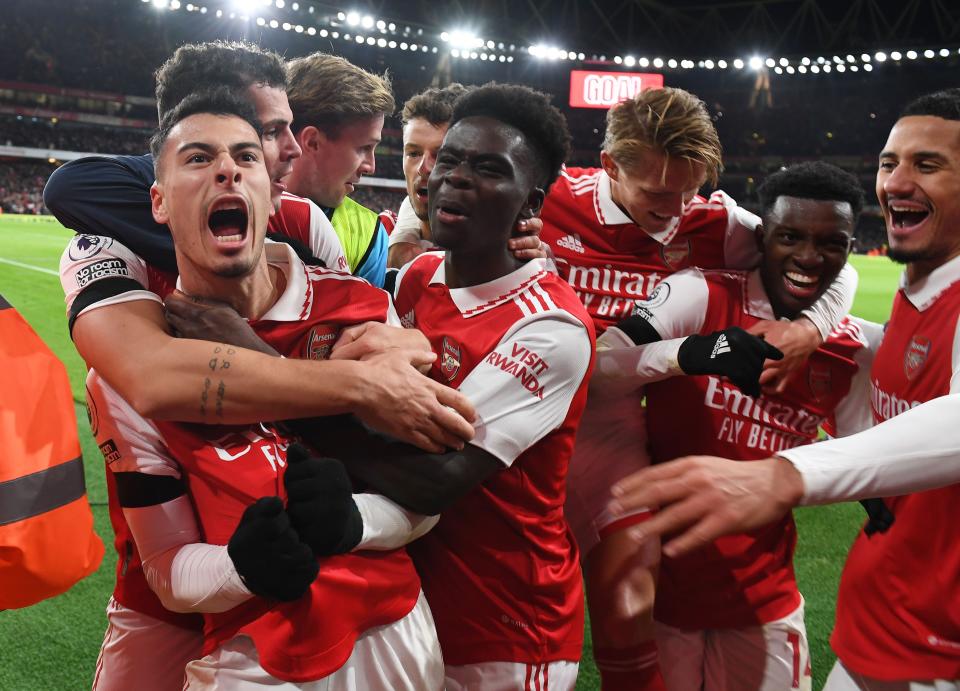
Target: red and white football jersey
x: 227, y: 468
x: 611, y: 262
x: 745, y: 579
x: 501, y: 569
x: 97, y: 271
x: 898, y: 609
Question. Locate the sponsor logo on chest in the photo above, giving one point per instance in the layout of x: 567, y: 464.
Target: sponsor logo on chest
x: 320, y: 342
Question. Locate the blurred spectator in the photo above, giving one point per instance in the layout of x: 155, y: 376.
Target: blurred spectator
x: 21, y: 186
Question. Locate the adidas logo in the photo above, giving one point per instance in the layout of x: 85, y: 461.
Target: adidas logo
x: 571, y: 242
x: 408, y: 321
x: 720, y: 347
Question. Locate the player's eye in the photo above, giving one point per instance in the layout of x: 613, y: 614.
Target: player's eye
x: 887, y: 166
x: 249, y: 157
x: 197, y: 158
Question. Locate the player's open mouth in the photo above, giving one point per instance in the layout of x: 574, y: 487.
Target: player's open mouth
x: 907, y: 217
x: 422, y: 194
x: 801, y: 285
x: 228, y: 220
x: 449, y: 212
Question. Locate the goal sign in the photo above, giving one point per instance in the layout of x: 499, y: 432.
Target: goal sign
x: 606, y: 89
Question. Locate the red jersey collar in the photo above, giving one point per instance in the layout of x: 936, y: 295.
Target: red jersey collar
x: 923, y: 293
x: 609, y: 214
x: 755, y: 300
x: 477, y: 299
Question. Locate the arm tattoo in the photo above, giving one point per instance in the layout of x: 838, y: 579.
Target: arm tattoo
x: 218, y: 361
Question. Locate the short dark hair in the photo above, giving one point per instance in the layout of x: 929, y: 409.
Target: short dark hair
x: 941, y: 104
x: 236, y: 65
x: 433, y: 105
x: 812, y: 180
x: 529, y: 111
x: 220, y: 101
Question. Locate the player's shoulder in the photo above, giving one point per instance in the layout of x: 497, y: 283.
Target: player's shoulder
x: 576, y: 182
x: 856, y: 333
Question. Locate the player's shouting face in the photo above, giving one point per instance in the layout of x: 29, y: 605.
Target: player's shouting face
x: 655, y: 191
x: 805, y: 243
x: 213, y: 191
x: 483, y: 182
x: 918, y: 185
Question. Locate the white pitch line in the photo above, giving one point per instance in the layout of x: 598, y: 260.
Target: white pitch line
x: 29, y: 266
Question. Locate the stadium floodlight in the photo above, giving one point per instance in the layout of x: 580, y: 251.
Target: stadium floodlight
x: 805, y: 61
x: 629, y: 61
x: 581, y: 56
x: 708, y: 64
x: 334, y: 34
x: 432, y: 50
x: 826, y: 68
x: 658, y: 62
x: 175, y: 5
x: 802, y: 69
x: 790, y: 69
x: 261, y: 21
x: 865, y: 57
x: 783, y: 62
x: 841, y: 68
x: 371, y: 41
x: 617, y: 59
x: 287, y: 26
x: 928, y: 54
x: 722, y: 64
x: 295, y: 6
x: 895, y: 55
x: 367, y: 22
x: 382, y: 25
x: 851, y: 59
x: 911, y: 55
x: 770, y: 62
x: 473, y: 54
x: 391, y: 27
x: 391, y: 44
x: 944, y: 52
x: 454, y: 52
x: 643, y: 62
x: 491, y: 45
x: 778, y: 69
x: 509, y: 58
x: 672, y: 64
x: 483, y: 56
x: 311, y: 31
x: 562, y: 54
x: 298, y: 28
x: 756, y: 63
x: 821, y: 60
x: 445, y: 36
x: 854, y: 68
x: 353, y: 18
x: 738, y: 63
x: 342, y: 16
x: 837, y: 59
x: 503, y: 58
x: 868, y: 68
x: 358, y: 38
x: 274, y: 24
x: 280, y: 4
x: 160, y: 4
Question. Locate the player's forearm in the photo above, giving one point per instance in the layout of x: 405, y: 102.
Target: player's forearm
x: 386, y: 525
x: 215, y: 383
x: 912, y: 452
x: 835, y: 303
x: 618, y: 357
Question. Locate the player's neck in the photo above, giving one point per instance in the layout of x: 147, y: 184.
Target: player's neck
x: 251, y: 295
x: 464, y: 269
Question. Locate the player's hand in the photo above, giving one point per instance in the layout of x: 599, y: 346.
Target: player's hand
x: 397, y: 400
x: 401, y: 253
x: 320, y: 502
x: 704, y: 497
x: 796, y: 340
x: 526, y: 244
x: 269, y: 555
x: 364, y: 341
x: 732, y: 353
x: 210, y: 320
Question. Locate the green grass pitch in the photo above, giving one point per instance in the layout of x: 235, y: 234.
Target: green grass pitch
x: 53, y: 645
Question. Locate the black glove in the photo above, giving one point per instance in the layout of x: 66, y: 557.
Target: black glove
x: 268, y: 554
x: 320, y: 502
x: 880, y: 517
x: 732, y: 353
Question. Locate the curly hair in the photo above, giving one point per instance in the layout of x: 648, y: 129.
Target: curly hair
x: 942, y: 104
x: 327, y: 92
x: 812, y: 180
x: 670, y: 120
x: 433, y: 105
x: 236, y: 65
x: 530, y: 112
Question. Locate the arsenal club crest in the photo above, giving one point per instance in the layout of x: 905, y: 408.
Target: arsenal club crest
x: 320, y: 342
x: 449, y: 358
x: 916, y: 356
x: 676, y: 254
x: 819, y: 379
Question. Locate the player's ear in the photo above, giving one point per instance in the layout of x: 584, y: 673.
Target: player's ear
x: 158, y: 205
x: 534, y: 203
x: 759, y: 234
x: 610, y: 166
x: 311, y: 139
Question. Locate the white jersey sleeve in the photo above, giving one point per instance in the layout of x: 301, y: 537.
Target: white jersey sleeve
x: 676, y: 309
x: 105, y: 272
x: 854, y: 414
x: 523, y: 388
x: 387, y: 525
x: 324, y: 242
x: 407, y: 227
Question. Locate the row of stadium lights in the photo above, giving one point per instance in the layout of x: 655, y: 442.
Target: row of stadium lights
x: 464, y: 45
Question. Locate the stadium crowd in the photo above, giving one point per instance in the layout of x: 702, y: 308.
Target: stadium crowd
x: 577, y: 253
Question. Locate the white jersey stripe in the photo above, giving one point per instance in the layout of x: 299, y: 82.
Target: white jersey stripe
x: 544, y: 297
x: 521, y: 303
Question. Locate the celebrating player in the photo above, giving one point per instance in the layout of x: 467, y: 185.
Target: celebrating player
x: 616, y: 232
x: 280, y: 531
x: 898, y: 617
x: 730, y: 616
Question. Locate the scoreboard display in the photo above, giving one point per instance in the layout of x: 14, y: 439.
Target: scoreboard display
x: 590, y: 89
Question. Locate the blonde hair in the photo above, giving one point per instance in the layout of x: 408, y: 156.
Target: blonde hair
x: 670, y: 120
x: 327, y: 92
